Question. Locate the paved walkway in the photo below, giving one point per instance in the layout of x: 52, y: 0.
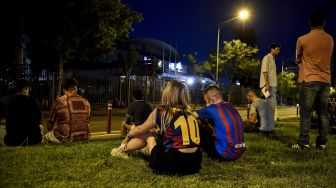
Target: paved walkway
x: 99, y: 120
x: 282, y: 112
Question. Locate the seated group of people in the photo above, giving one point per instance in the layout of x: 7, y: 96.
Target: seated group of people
x: 173, y: 134
x: 21, y: 117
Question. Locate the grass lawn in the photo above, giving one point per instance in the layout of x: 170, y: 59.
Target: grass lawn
x: 266, y: 163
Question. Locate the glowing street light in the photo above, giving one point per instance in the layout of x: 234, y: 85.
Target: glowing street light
x: 242, y: 15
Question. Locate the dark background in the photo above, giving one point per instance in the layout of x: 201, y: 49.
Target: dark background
x: 191, y: 25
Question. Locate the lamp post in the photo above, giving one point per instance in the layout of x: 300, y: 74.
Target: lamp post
x: 243, y: 15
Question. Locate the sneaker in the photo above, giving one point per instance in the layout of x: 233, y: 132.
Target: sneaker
x: 122, y: 147
x: 300, y: 146
x: 44, y: 140
x: 120, y: 153
x: 321, y: 147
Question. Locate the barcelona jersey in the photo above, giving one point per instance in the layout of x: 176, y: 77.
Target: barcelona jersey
x: 228, y: 129
x: 181, y: 132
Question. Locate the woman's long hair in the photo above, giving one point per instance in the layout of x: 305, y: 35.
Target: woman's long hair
x: 175, y: 97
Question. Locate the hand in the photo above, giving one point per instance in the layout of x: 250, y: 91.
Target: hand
x: 50, y: 126
x: 126, y: 140
x: 124, y: 143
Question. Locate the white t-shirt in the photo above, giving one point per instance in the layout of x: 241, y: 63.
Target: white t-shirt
x: 268, y: 65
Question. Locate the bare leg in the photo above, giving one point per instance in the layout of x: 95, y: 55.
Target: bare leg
x: 140, y: 142
x: 151, y: 143
x: 124, y: 128
x: 135, y: 144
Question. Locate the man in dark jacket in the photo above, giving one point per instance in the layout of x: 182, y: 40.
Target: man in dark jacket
x: 22, y: 114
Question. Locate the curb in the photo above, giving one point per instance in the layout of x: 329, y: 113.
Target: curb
x: 103, y: 135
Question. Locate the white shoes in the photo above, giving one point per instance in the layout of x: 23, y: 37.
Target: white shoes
x: 119, y: 152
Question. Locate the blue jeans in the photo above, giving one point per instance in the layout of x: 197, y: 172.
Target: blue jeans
x: 272, y: 98
x: 310, y: 92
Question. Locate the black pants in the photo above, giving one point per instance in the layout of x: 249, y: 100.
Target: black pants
x: 174, y: 162
x: 208, y: 143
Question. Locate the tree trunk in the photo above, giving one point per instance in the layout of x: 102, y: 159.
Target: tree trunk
x: 18, y: 72
x: 153, y: 92
x: 230, y: 88
x: 60, y: 76
x: 128, y: 77
x: 60, y: 65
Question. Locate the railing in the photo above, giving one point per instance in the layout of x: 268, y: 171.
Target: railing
x: 98, y: 90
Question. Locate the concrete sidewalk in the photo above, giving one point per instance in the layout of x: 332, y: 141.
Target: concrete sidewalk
x: 97, y: 132
x: 282, y: 112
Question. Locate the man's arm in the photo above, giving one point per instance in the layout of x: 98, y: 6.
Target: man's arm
x: 128, y: 119
x: 298, y: 52
x: 253, y: 118
x: 264, y: 72
x: 52, y: 117
x: 143, y: 128
x: 130, y: 113
x: 266, y: 81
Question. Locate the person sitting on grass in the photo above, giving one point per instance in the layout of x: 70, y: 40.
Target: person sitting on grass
x: 175, y: 149
x: 223, y: 137
x: 22, y: 116
x: 72, y: 113
x: 261, y: 117
x: 137, y: 112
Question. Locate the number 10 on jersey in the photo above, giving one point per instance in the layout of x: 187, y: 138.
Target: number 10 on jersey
x: 189, y: 129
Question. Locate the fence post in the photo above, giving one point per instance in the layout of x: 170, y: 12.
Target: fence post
x: 109, y: 115
x: 248, y: 111
x: 297, y: 110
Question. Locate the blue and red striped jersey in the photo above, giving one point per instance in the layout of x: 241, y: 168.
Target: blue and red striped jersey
x: 228, y: 129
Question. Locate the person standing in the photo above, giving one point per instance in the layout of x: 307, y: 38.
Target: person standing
x: 313, y: 56
x: 268, y: 77
x: 175, y: 149
x: 222, y: 138
x: 261, y: 115
x: 137, y: 112
x: 72, y: 114
x: 22, y: 117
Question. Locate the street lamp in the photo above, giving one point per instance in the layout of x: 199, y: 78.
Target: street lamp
x: 242, y: 15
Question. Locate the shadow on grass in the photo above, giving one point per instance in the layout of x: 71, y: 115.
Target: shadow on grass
x: 287, y: 131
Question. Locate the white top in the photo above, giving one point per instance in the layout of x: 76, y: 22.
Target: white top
x: 268, y: 65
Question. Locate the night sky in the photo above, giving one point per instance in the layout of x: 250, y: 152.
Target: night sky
x: 191, y: 25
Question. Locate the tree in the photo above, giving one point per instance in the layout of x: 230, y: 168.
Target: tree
x: 248, y: 72
x: 75, y: 30
x: 129, y: 61
x: 197, y: 69
x: 288, y: 85
x: 236, y: 60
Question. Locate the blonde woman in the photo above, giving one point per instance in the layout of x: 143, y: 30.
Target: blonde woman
x: 175, y: 148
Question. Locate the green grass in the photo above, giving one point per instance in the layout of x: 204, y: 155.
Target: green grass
x: 266, y: 163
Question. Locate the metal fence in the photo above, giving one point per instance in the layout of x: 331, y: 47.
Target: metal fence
x: 99, y: 90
